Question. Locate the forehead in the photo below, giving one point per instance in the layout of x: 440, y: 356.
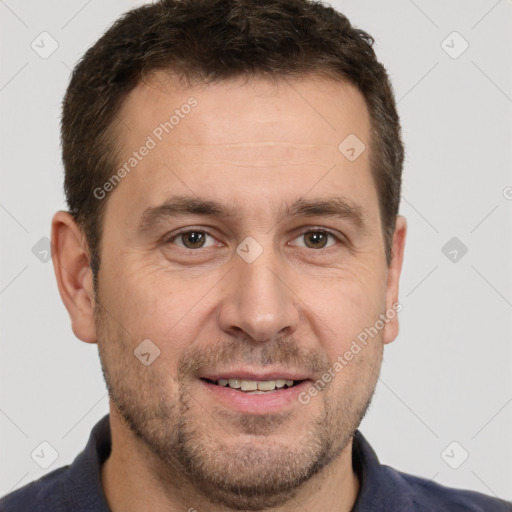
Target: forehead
x: 241, y: 137
x: 315, y: 109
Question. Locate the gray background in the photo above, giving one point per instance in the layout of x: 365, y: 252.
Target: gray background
x: 448, y: 375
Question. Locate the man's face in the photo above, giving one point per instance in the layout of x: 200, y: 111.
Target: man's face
x: 270, y: 285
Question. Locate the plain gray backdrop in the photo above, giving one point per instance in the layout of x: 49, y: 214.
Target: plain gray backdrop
x: 443, y: 406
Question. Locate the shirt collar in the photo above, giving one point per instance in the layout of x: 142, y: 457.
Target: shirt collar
x: 381, y: 487
x: 85, y: 472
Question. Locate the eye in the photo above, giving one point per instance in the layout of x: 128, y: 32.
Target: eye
x: 317, y: 239
x: 193, y: 239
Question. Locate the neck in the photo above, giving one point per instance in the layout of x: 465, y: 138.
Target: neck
x: 132, y: 481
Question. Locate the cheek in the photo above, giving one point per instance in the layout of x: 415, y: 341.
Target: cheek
x: 151, y: 302
x: 343, y: 306
x: 352, y: 338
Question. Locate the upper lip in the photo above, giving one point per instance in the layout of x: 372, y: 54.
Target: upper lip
x: 255, y: 375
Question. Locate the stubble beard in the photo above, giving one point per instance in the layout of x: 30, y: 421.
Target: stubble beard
x: 255, y: 473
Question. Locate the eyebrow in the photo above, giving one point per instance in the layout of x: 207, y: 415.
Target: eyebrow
x: 176, y: 206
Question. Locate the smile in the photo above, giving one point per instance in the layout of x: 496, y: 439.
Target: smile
x: 254, y: 386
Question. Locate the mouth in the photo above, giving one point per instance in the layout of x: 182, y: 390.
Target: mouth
x: 254, y: 387
x: 254, y: 393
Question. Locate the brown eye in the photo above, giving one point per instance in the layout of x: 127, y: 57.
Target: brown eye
x: 191, y: 239
x: 316, y: 239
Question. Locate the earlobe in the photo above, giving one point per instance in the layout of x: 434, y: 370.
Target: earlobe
x: 394, y: 270
x: 70, y: 258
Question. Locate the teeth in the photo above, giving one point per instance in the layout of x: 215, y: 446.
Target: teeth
x: 235, y: 383
x: 253, y: 386
x: 267, y: 385
x: 249, y: 385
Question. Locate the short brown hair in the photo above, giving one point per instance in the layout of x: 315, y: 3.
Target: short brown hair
x: 205, y: 41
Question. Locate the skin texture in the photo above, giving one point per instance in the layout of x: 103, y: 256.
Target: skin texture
x: 258, y: 147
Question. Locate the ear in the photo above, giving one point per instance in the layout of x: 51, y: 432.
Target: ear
x: 394, y: 270
x: 70, y: 256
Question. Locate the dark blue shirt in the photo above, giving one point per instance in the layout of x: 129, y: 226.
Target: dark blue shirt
x: 77, y: 487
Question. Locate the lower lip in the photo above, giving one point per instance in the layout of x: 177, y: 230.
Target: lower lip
x: 268, y: 403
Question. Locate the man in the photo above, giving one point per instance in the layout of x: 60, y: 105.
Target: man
x: 233, y: 178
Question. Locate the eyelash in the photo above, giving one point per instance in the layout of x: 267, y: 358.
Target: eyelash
x: 310, y: 230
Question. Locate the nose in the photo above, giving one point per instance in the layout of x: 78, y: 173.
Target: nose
x: 259, y: 302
